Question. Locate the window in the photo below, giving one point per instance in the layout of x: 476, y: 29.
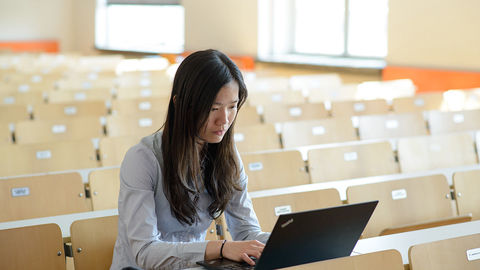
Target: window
x: 336, y: 28
x: 136, y: 26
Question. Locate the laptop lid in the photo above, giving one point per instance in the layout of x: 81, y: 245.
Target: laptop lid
x: 311, y: 236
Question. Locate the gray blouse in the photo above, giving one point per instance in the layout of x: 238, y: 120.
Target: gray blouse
x: 149, y: 236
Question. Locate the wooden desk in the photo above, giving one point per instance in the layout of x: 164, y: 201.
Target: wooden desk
x: 64, y: 221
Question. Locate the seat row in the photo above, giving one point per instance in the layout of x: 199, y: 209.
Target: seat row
x: 404, y: 202
x: 93, y: 240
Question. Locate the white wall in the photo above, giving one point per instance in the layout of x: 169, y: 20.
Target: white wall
x: 434, y: 34
x: 227, y: 25
x: 37, y: 20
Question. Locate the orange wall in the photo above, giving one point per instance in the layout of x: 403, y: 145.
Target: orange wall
x: 31, y: 46
x: 433, y: 79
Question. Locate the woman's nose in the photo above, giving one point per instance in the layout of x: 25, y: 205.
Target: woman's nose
x: 222, y: 117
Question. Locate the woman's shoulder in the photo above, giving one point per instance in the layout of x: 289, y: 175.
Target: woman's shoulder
x: 144, y: 150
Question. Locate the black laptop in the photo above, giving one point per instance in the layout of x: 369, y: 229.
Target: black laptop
x: 308, y: 236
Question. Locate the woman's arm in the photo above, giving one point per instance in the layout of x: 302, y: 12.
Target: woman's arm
x: 139, y: 175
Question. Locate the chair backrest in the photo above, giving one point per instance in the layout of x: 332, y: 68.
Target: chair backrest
x: 418, y: 103
x: 93, y: 241
x: 275, y: 97
x: 64, y: 96
x: 144, y: 92
x: 256, y: 138
x: 342, y: 92
x: 113, y: 149
x: 104, y: 188
x: 139, y: 105
x: 275, y: 170
x: 140, y: 124
x: 248, y: 116
x: 403, y: 202
x: 270, y: 207
x: 455, y: 253
x: 359, y: 107
x: 444, y: 122
x: 29, y: 98
x: 380, y: 260
x: 467, y: 187
x: 32, y: 247
x: 436, y: 151
x: 353, y: 161
x: 69, y: 110
x: 311, y: 132
x: 47, y: 157
x: 391, y: 126
x: 13, y: 113
x: 5, y: 133
x: 293, y: 112
x: 40, y: 131
x: 42, y: 196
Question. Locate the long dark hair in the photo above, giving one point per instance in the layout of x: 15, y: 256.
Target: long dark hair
x: 187, y: 170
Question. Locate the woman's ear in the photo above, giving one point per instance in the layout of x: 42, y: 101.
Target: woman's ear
x: 174, y: 99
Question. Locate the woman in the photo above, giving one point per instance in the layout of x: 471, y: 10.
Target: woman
x: 176, y: 181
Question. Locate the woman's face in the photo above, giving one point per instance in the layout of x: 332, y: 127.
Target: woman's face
x: 222, y: 114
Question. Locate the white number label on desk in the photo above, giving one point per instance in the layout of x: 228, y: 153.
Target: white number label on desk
x: 473, y: 254
x: 21, y: 191
x: 70, y: 110
x: 59, y: 129
x: 255, y: 166
x: 350, y: 156
x: 145, y: 122
x: 47, y: 154
x: 391, y: 124
x: 239, y: 137
x: 145, y: 106
x: 284, y: 209
x: 318, y: 130
x: 458, y: 118
x: 295, y: 111
x: 399, y: 194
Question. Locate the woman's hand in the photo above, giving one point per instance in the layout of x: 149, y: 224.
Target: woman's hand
x: 242, y: 250
x: 235, y: 250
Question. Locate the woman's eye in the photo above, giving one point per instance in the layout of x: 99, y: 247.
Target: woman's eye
x: 214, y: 109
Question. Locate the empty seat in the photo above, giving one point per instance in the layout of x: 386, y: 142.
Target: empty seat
x: 112, y: 149
x: 47, y: 157
x: 40, y: 131
x: 13, y: 113
x: 311, y: 132
x: 69, y: 110
x: 247, y: 116
x: 404, y: 202
x: 342, y: 92
x: 275, y: 97
x: 391, y: 126
x: 435, y: 152
x: 144, y: 92
x: 42, y: 196
x: 275, y: 170
x: 65, y: 96
x: 380, y: 260
x: 444, y: 122
x: 104, y: 188
x: 5, y: 134
x: 140, y: 124
x: 455, y: 253
x: 32, y: 247
x: 139, y: 105
x: 293, y: 112
x: 418, y: 103
x: 270, y: 207
x: 353, y: 161
x: 256, y: 138
x: 467, y: 188
x: 359, y: 107
x: 29, y: 98
x: 93, y: 241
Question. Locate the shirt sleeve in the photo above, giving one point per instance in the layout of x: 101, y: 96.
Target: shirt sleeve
x: 139, y: 174
x: 241, y: 219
